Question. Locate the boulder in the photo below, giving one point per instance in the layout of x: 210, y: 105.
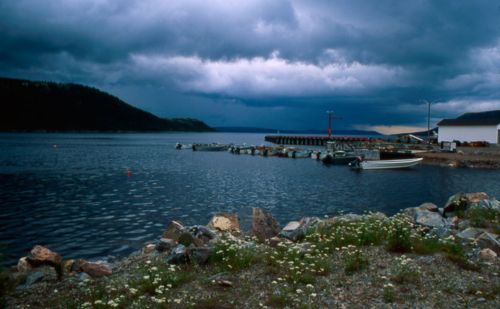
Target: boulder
x: 412, y: 211
x: 31, y: 279
x: 275, y: 241
x: 187, y: 239
x: 457, y: 202
x: 165, y: 244
x: 430, y: 219
x: 492, y: 203
x: 149, y: 248
x: 488, y: 255
x: 173, y: 231
x: 203, y: 234
x: 200, y: 255
x: 68, y: 265
x: 41, y: 255
x: 23, y: 265
x: 225, y: 222
x: 264, y: 226
x: 470, y: 233
x: 489, y: 240
x: 298, y: 231
x: 96, y: 270
x: 178, y: 255
x: 476, y: 197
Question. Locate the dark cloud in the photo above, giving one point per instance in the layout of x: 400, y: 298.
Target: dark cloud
x: 373, y: 61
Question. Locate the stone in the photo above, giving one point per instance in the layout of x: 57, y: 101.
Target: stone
x: 23, y: 265
x: 96, y: 270
x: 488, y: 254
x: 203, y: 232
x: 178, y: 255
x: 489, y: 240
x: 300, y: 231
x: 41, y: 255
x: 291, y: 226
x: 173, y: 231
x: 493, y: 204
x: 225, y: 283
x: 165, y: 244
x: 463, y: 224
x: 68, y: 265
x: 76, y: 266
x: 149, y: 248
x: 84, y: 277
x: 225, y: 222
x: 470, y: 233
x: 457, y: 202
x: 264, y: 226
x: 187, y: 239
x: 476, y: 197
x: 31, y: 279
x: 200, y: 255
x: 429, y: 219
x: 412, y: 211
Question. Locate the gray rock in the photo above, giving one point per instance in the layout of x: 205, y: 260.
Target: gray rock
x: 178, y: 255
x: 174, y: 230
x: 476, y: 197
x: 489, y: 240
x: 412, y: 211
x: 299, y: 232
x: 430, y: 219
x: 187, y: 239
x: 31, y: 279
x: 264, y: 226
x: 202, y: 232
x: 493, y: 204
x: 470, y: 233
x: 200, y: 255
x: 84, y: 276
x: 165, y: 244
x: 463, y: 224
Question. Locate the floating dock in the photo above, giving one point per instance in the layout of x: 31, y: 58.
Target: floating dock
x: 312, y: 140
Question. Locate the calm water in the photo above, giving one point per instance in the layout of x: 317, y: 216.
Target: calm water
x: 78, y: 199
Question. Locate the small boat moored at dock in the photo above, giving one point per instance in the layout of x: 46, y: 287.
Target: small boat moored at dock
x: 384, y: 164
x: 210, y: 147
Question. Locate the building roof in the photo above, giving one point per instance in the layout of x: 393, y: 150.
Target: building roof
x: 490, y: 118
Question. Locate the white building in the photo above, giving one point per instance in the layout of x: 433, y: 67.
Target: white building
x: 471, y: 127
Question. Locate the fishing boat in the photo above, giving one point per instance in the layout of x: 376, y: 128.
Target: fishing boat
x: 337, y: 158
x: 384, y: 164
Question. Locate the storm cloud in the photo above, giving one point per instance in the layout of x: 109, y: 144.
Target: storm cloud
x: 266, y: 63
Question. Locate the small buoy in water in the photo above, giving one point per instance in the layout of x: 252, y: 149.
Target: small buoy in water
x: 55, y: 146
x: 129, y: 172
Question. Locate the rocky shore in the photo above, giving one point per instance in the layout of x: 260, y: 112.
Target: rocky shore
x: 425, y: 257
x: 465, y: 157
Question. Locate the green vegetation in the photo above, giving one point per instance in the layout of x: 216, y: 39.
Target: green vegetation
x: 48, y: 106
x: 358, y: 258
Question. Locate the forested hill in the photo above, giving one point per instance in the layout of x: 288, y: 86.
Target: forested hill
x: 47, y: 106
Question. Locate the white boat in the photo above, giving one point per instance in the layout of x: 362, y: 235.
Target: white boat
x: 180, y: 146
x: 385, y: 164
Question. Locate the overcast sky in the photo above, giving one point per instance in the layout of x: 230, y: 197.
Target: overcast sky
x: 276, y: 64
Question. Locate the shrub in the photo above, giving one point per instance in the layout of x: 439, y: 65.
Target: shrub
x: 231, y: 254
x: 405, y: 270
x: 354, y: 260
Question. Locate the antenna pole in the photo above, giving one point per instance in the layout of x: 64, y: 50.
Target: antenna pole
x: 329, y: 124
x: 428, y: 122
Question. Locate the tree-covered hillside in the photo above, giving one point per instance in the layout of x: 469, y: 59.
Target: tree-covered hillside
x: 47, y: 106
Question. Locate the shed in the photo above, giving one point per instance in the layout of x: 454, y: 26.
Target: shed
x: 471, y: 127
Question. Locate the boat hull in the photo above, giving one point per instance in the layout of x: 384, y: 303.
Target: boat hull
x: 389, y: 164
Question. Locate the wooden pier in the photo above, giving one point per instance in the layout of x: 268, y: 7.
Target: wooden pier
x: 312, y: 140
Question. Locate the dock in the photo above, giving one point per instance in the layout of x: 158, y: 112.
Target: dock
x: 312, y: 140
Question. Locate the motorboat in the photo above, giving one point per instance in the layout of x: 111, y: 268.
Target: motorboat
x: 210, y: 147
x: 180, y: 146
x: 384, y: 164
x: 337, y: 158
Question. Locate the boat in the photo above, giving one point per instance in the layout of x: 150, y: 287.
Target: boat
x: 337, y: 158
x: 210, y: 147
x: 180, y: 146
x: 384, y: 164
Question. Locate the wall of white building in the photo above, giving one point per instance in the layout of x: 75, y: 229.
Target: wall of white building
x: 469, y: 133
